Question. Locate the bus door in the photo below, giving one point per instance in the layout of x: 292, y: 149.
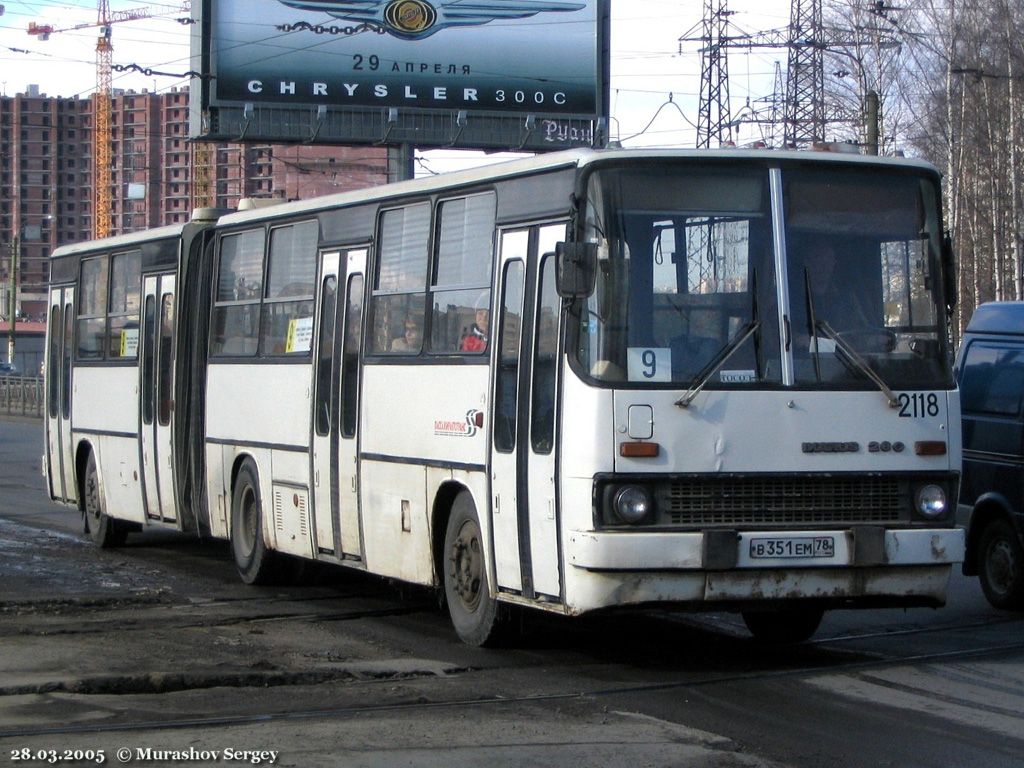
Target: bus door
x: 504, y: 423
x: 156, y: 395
x: 325, y: 408
x: 58, y: 394
x: 335, y: 404
x: 540, y: 413
x: 525, y: 513
x: 348, y: 445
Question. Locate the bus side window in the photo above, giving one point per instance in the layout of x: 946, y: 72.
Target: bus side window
x: 92, y: 307
x: 507, y: 373
x: 350, y: 357
x: 545, y: 358
x: 460, y: 289
x: 165, y: 371
x: 148, y: 360
x: 53, y: 362
x: 287, y: 323
x: 69, y: 330
x: 236, y: 311
x: 400, y: 293
x: 325, y: 356
x: 123, y: 311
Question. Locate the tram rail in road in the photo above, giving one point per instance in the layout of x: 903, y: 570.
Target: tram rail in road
x: 157, y: 645
x: 800, y: 670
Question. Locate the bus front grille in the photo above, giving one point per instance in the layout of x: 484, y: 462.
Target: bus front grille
x: 756, y: 501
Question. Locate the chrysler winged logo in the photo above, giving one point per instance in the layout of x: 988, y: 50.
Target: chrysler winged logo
x: 417, y: 19
x: 413, y: 17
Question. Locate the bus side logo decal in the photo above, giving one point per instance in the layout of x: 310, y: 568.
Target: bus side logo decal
x: 467, y: 427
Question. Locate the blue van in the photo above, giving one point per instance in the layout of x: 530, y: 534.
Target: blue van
x: 990, y: 372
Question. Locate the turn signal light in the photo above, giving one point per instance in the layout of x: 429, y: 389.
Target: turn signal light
x: 639, y: 450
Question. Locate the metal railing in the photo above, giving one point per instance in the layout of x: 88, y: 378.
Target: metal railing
x: 22, y: 395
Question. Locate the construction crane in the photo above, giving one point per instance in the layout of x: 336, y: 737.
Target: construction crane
x: 101, y: 134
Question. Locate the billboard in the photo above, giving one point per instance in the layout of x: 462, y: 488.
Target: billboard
x: 488, y: 74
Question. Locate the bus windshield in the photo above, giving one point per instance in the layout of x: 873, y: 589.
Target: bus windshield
x: 688, y: 290
x: 865, y: 278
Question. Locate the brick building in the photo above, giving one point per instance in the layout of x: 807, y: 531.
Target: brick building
x: 46, y: 175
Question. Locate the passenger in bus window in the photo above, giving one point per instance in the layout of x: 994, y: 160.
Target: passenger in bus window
x: 412, y: 338
x: 476, y: 339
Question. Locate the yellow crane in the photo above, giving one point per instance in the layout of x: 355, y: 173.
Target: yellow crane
x: 101, y: 157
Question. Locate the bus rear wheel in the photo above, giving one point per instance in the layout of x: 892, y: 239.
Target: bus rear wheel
x: 783, y: 626
x: 475, y: 613
x: 1001, y: 566
x: 252, y: 558
x: 104, y: 531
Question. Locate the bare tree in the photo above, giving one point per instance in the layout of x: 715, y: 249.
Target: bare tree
x: 865, y: 55
x: 958, y: 76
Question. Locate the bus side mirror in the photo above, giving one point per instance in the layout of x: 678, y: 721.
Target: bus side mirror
x: 949, y: 270
x: 576, y: 271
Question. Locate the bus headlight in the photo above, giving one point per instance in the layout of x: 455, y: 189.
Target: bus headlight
x: 632, y: 504
x: 931, y: 501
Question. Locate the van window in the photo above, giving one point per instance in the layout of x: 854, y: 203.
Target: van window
x: 992, y: 379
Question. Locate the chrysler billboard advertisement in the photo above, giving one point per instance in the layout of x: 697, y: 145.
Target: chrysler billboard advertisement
x: 487, y: 73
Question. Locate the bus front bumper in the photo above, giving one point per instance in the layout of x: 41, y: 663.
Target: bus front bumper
x: 722, y: 550
x: 859, y: 567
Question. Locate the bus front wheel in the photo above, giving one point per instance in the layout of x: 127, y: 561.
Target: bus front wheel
x: 252, y: 558
x: 104, y: 531
x: 782, y: 626
x: 475, y: 613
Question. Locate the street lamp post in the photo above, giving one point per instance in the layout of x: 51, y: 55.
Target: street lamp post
x: 12, y: 297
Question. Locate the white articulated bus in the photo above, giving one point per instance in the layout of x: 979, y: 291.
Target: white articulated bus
x: 711, y: 380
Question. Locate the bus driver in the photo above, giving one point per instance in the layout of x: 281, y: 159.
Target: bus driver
x: 834, y: 302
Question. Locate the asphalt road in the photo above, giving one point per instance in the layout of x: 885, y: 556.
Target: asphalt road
x: 159, y: 647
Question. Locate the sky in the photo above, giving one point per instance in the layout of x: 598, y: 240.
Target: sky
x: 654, y: 88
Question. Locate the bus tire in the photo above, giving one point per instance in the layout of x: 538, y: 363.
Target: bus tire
x: 475, y: 613
x: 252, y: 558
x: 783, y: 626
x: 104, y: 531
x: 1001, y: 566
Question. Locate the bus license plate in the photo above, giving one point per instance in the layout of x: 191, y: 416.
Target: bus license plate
x: 793, y: 547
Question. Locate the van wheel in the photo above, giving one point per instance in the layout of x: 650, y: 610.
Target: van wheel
x: 783, y: 626
x: 252, y: 558
x: 1001, y: 566
x: 104, y: 531
x: 475, y: 613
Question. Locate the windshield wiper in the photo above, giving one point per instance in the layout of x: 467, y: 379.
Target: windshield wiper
x: 848, y: 352
x: 858, y: 362
x: 711, y: 368
x: 811, y: 322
